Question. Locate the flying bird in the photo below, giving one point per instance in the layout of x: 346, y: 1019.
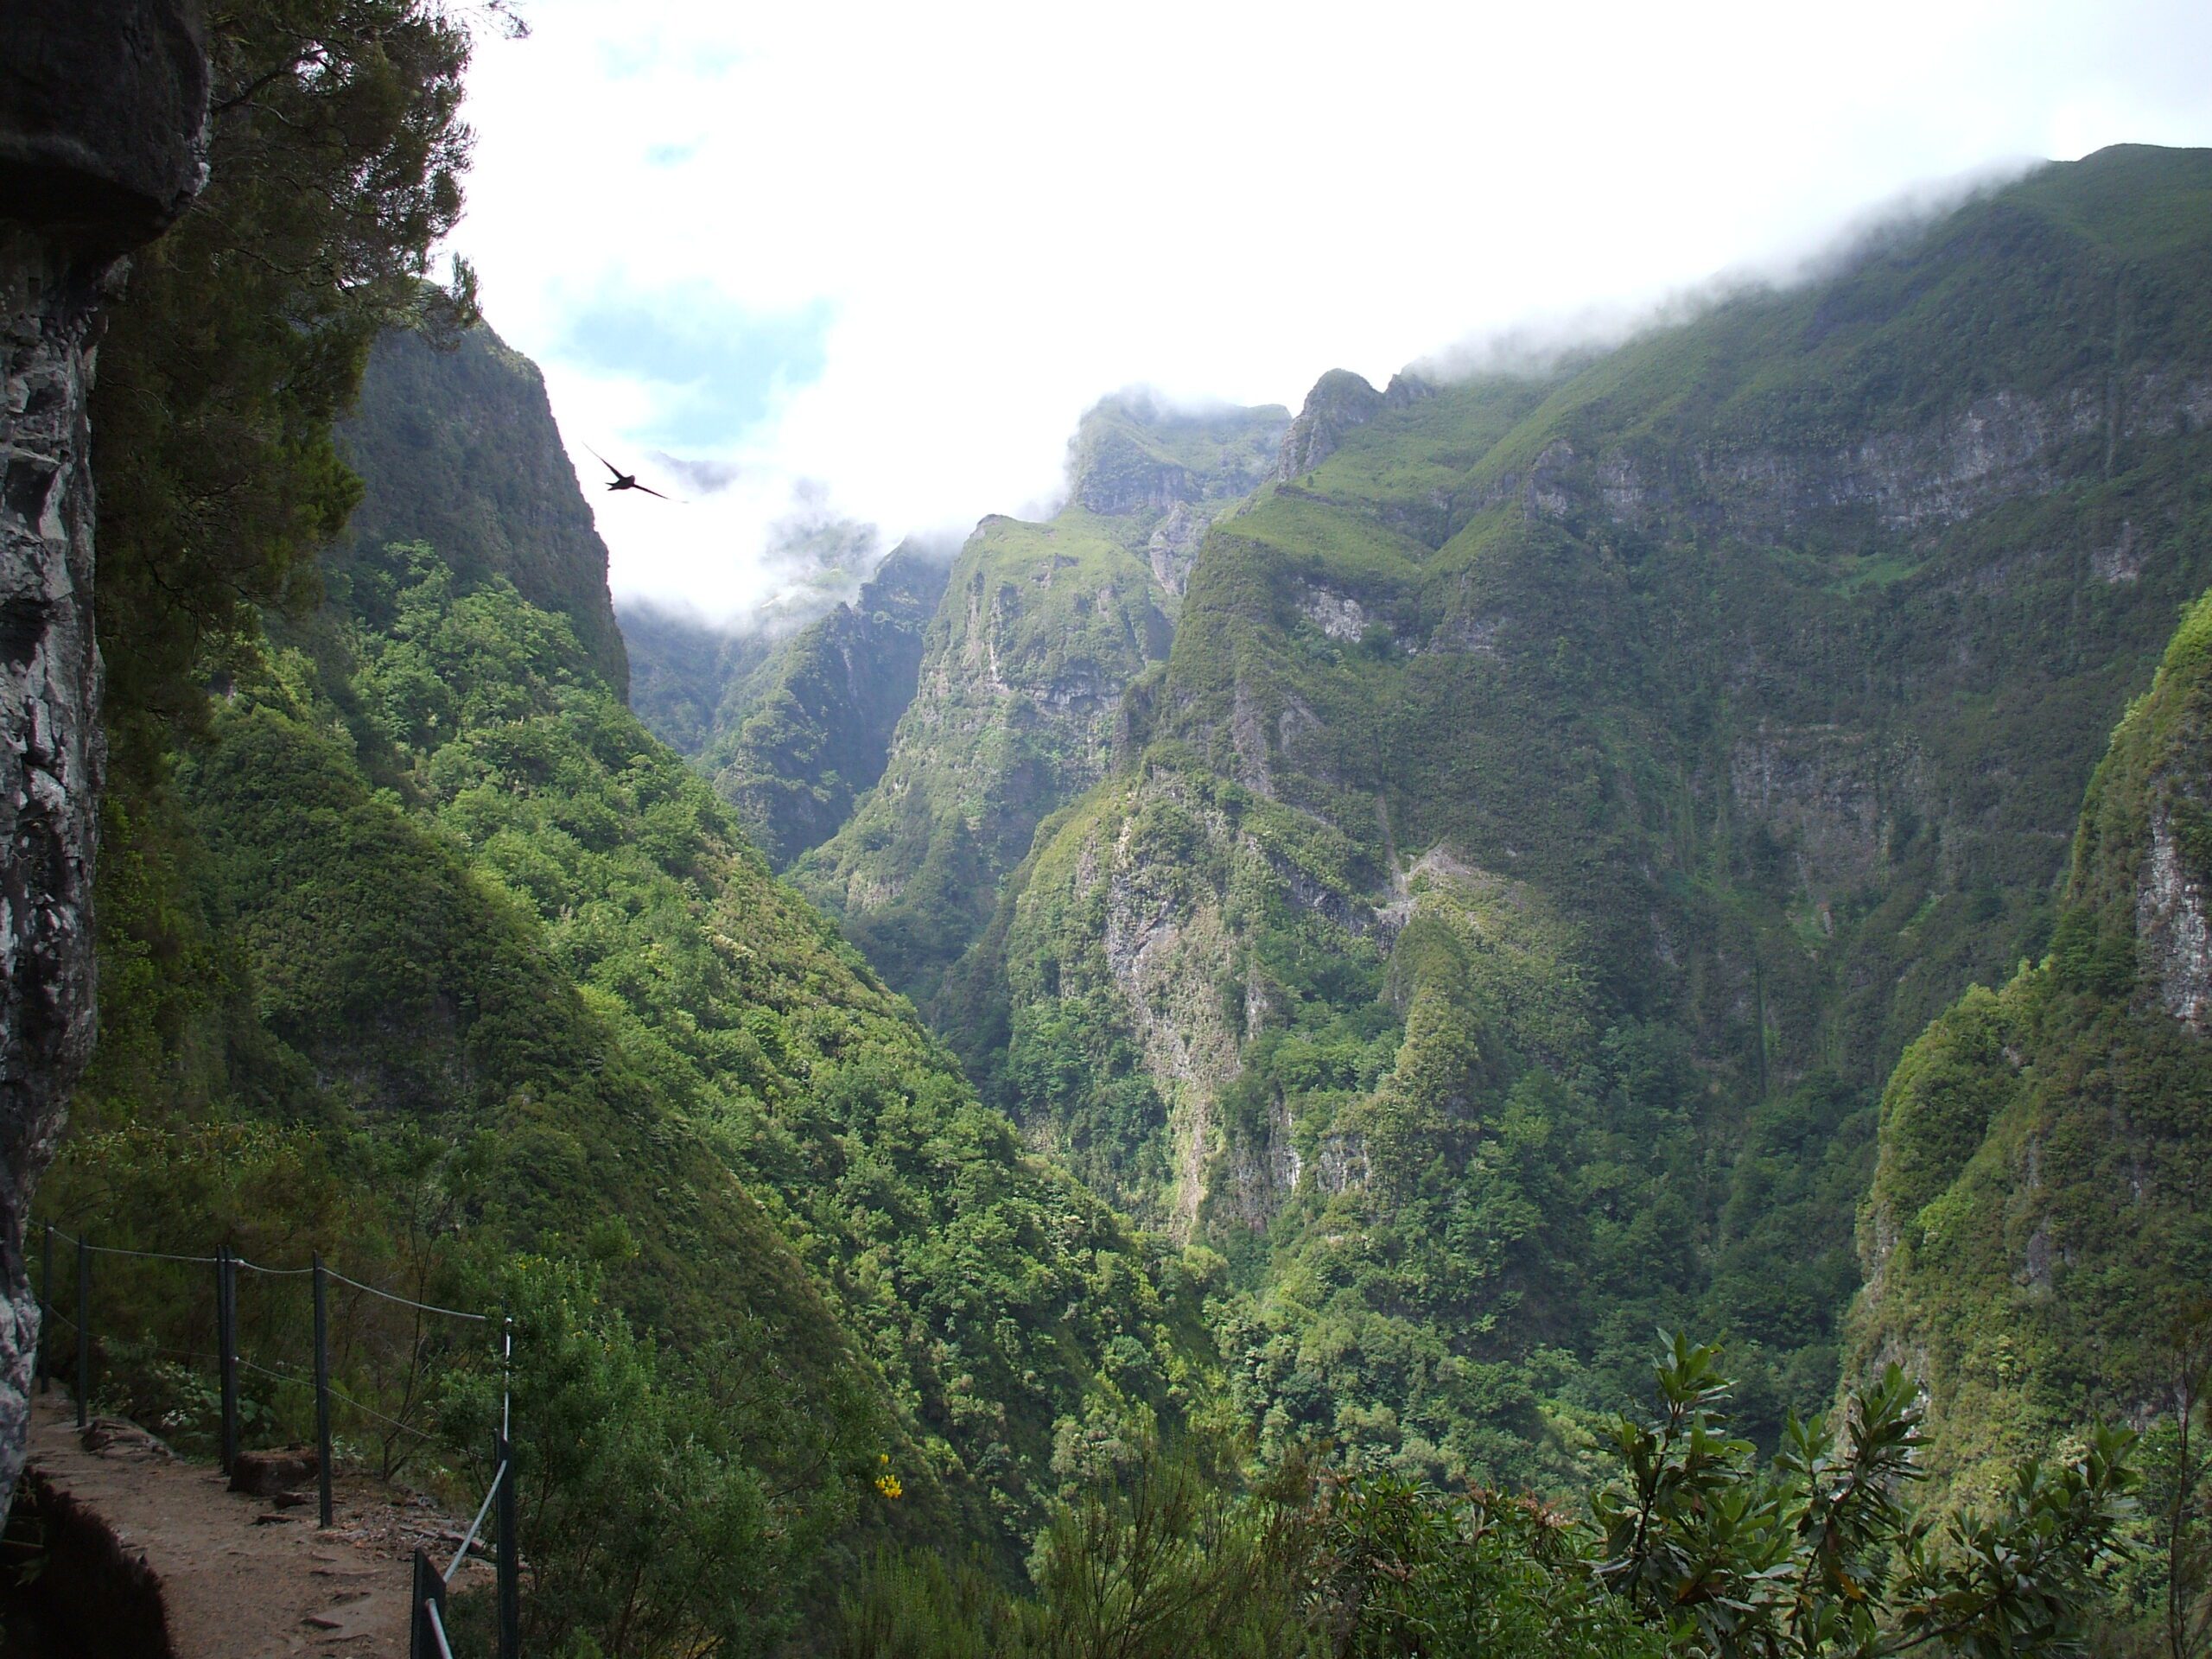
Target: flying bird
x: 626, y: 480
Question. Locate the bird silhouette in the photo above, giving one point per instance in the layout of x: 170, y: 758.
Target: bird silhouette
x: 626, y: 480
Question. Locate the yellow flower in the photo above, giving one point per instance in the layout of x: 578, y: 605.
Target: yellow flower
x: 888, y: 1484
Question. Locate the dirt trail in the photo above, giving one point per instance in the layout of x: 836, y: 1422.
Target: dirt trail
x: 241, y: 1579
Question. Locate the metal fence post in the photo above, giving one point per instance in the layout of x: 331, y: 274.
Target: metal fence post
x: 510, y: 1563
x: 429, y: 1591
x: 84, y: 1333
x: 46, y: 1313
x: 227, y: 1345
x: 322, y: 1382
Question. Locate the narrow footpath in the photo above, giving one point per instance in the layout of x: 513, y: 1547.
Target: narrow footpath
x: 239, y: 1577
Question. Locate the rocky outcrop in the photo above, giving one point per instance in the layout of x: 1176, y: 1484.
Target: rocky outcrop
x: 1122, y: 478
x: 103, y: 108
x: 2002, y: 446
x: 102, y: 118
x: 1917, y: 481
x: 1173, y: 546
x: 1339, y: 402
x: 1338, y: 615
x: 1259, y: 1174
x: 1136, y: 457
x: 2170, y: 926
x: 1166, y: 952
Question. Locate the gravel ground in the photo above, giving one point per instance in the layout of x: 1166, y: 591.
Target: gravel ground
x: 241, y: 1577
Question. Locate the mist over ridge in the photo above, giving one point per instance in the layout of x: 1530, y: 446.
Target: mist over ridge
x: 1106, y: 1022
x: 813, y: 555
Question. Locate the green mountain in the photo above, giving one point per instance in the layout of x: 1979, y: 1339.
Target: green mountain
x: 458, y: 448
x: 1472, y: 869
x: 1041, y: 628
x: 1567, y: 794
x: 791, y: 728
x: 2036, y: 1237
x: 1460, y: 865
x: 800, y: 738
x: 428, y: 955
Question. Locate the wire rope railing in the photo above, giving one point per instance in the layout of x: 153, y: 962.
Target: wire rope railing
x: 427, y: 1626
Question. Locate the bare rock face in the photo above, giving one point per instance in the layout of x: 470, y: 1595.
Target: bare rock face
x: 1340, y: 400
x: 103, y: 118
x: 2171, y: 924
x: 103, y: 111
x: 271, y: 1474
x: 1120, y: 479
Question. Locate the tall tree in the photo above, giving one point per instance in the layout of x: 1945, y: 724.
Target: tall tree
x: 336, y: 154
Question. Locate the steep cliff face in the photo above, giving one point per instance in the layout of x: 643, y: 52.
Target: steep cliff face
x: 1041, y: 628
x: 803, y: 736
x: 458, y: 448
x: 102, y: 108
x: 1567, y: 795
x: 1135, y: 454
x: 791, y: 726
x: 2039, y: 1222
x: 683, y: 670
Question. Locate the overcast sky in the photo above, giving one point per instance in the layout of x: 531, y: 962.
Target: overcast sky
x: 883, y: 257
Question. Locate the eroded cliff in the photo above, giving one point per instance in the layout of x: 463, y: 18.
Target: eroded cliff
x: 1042, y: 628
x: 102, y: 143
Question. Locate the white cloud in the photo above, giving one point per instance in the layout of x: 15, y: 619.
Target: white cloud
x: 996, y: 212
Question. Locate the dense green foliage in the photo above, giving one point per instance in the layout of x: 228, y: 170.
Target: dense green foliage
x: 542, y: 950
x: 827, y: 1097
x: 1691, y: 1550
x: 1480, y: 936
x: 382, y: 1059
x: 336, y: 154
x: 1566, y: 797
x: 1040, y: 629
x: 418, y: 950
x: 2037, y: 1229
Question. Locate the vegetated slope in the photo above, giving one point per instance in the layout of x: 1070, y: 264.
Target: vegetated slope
x: 695, y: 679
x: 457, y: 448
x: 2040, y: 1222
x: 798, y: 740
x: 681, y: 668
x: 791, y: 727
x: 1041, y: 627
x: 1568, y: 793
x: 431, y: 931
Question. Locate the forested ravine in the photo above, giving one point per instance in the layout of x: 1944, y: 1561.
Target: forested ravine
x: 1143, y: 1086
x: 1488, y: 928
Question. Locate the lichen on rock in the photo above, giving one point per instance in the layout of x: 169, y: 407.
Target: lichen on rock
x: 102, y: 111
